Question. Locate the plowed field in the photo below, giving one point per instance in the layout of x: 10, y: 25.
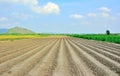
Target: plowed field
x: 59, y: 56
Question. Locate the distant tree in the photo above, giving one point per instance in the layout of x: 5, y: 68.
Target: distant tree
x: 107, y: 32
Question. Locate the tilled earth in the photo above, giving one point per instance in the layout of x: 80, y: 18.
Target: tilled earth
x: 59, y: 57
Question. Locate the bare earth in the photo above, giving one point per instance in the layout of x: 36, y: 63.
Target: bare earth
x: 61, y: 56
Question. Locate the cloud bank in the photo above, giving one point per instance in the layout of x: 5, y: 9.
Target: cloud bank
x: 49, y: 8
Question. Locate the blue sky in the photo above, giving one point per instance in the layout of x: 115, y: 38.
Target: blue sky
x: 61, y: 16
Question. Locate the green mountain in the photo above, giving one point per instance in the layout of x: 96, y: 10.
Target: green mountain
x: 19, y: 30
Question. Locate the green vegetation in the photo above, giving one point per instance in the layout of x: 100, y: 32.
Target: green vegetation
x: 101, y: 37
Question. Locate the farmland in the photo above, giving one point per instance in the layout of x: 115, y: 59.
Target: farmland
x: 115, y: 38
x: 23, y: 36
x: 59, y: 56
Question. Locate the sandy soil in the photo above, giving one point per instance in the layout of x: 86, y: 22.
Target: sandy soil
x: 61, y: 56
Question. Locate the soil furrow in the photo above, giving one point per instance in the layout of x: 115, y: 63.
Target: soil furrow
x: 60, y: 56
x: 97, y: 68
x: 63, y: 68
x: 19, y: 52
x: 47, y: 64
x: 18, y: 48
x: 103, y: 52
x: 101, y: 58
x: 23, y: 68
x: 101, y: 47
x: 9, y: 64
x: 83, y: 70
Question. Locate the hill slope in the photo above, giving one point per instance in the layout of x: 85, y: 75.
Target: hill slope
x: 19, y: 30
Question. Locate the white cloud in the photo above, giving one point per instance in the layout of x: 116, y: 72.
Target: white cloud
x: 49, y: 8
x: 3, y: 19
x: 76, y: 16
x: 92, y: 15
x: 105, y: 15
x: 104, y: 9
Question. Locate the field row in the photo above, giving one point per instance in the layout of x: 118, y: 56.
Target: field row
x: 59, y: 57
